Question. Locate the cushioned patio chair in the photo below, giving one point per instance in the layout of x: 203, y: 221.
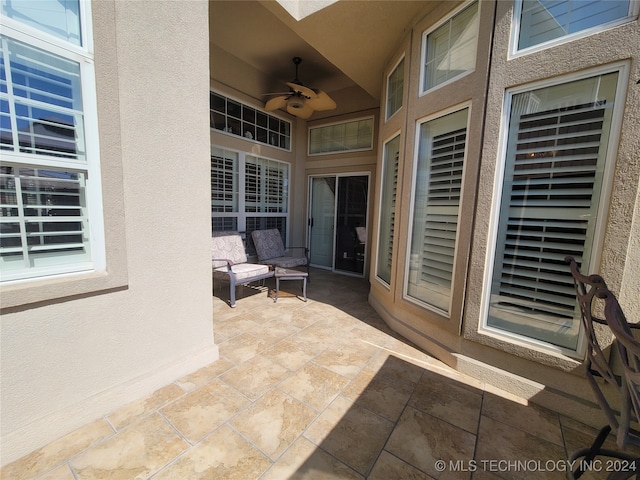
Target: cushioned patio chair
x: 271, y: 250
x: 594, y: 296
x: 229, y: 262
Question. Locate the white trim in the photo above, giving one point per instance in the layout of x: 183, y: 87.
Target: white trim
x: 405, y: 296
x: 603, y: 204
x: 634, y: 7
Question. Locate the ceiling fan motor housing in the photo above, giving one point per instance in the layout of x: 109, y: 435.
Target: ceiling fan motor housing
x: 295, y: 102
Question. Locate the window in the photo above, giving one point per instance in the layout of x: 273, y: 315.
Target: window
x: 556, y: 157
x: 450, y: 50
x: 386, y: 229
x: 341, y: 137
x: 47, y: 117
x: 395, y: 84
x: 248, y: 192
x: 233, y: 117
x: 436, y: 205
x: 542, y: 21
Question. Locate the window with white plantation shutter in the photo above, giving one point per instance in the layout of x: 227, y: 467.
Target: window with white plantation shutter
x: 248, y: 193
x: 386, y: 228
x: 551, y: 192
x: 45, y: 198
x: 436, y: 208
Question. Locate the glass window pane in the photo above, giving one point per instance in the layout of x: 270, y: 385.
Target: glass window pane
x: 60, y: 18
x: 387, y: 223
x: 225, y: 188
x: 450, y: 50
x: 551, y: 191
x: 545, y: 20
x: 48, y: 103
x: 436, y: 204
x: 395, y: 85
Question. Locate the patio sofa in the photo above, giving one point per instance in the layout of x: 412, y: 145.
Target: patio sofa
x: 229, y: 262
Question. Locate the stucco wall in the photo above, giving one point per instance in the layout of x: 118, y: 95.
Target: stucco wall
x: 551, y: 379
x: 71, y: 359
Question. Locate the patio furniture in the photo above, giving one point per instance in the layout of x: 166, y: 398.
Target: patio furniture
x: 290, y: 274
x: 594, y: 296
x: 229, y: 262
x: 271, y: 250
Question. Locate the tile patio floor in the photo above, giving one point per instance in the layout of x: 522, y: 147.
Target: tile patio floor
x: 316, y: 390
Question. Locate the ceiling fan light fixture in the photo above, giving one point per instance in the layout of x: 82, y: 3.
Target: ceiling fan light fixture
x: 295, y: 102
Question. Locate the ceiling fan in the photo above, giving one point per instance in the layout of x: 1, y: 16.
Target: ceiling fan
x: 300, y: 101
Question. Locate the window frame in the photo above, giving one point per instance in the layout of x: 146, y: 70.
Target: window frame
x: 383, y: 179
x: 514, y: 52
x: 453, y: 296
x: 90, y: 166
x: 343, y: 122
x: 622, y: 68
x: 388, y: 115
x: 423, y: 90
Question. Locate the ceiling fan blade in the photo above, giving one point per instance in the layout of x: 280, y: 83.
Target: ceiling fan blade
x: 276, y: 103
x: 307, y: 92
x: 304, y: 111
x: 321, y: 102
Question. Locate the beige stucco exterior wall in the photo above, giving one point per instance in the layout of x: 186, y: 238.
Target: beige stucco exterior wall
x: 74, y: 349
x: 551, y: 379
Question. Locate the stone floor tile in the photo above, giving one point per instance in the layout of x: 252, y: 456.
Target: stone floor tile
x: 222, y: 455
x: 512, y: 453
x: 63, y: 472
x: 314, y: 385
x: 132, y: 412
x: 136, y: 452
x: 274, y: 422
x: 200, y: 377
x: 293, y: 353
x: 202, y: 411
x: 422, y: 440
x: 55, y: 453
x: 305, y: 461
x: 379, y: 393
x: 530, y: 418
x: 243, y: 347
x: 390, y: 467
x: 347, y: 359
x: 356, y: 438
x: 254, y: 377
x: 448, y: 401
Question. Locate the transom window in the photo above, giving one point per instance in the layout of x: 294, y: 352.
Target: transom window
x: 449, y: 51
x: 353, y: 135
x: 551, y: 204
x: 395, y: 88
x: 543, y: 21
x: 248, y: 192
x: 46, y: 199
x: 231, y: 116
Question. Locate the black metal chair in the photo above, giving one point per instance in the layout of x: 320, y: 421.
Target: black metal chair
x: 593, y: 296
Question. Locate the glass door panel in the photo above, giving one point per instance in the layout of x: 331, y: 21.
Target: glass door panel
x: 351, y: 223
x: 321, y: 221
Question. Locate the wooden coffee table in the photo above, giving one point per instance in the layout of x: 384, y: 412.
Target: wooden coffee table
x: 290, y: 274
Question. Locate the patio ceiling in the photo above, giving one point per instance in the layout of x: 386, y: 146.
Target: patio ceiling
x: 343, y: 44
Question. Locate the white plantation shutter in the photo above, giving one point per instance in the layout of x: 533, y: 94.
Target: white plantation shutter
x: 551, y: 191
x: 436, y: 208
x: 443, y: 200
x: 389, y: 188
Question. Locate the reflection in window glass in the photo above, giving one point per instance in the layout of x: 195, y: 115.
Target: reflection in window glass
x: 60, y: 18
x: 545, y: 20
x: 395, y: 86
x: 450, y: 50
x: 436, y: 204
x: 551, y: 191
